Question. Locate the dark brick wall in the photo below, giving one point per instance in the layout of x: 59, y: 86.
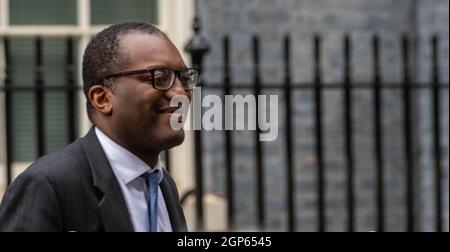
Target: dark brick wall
x: 271, y: 20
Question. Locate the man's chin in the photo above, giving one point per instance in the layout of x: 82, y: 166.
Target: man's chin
x: 174, y: 138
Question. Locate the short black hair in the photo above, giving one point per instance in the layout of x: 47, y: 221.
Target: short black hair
x: 103, y: 55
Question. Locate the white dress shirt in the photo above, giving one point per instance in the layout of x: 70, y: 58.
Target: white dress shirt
x: 128, y: 168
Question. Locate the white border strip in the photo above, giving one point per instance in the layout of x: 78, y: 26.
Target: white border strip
x: 4, y: 14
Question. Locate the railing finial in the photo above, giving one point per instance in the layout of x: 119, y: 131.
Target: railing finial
x: 198, y: 46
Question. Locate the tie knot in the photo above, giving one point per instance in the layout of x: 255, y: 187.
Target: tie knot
x: 153, y: 178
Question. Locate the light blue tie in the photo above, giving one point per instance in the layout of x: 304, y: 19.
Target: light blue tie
x: 152, y: 181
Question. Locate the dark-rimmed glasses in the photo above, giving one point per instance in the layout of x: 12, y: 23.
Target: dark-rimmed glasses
x: 163, y: 78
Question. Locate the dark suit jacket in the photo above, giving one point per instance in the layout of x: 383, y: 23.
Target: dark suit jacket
x: 75, y: 189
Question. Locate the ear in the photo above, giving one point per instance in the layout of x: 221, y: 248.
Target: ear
x: 101, y: 99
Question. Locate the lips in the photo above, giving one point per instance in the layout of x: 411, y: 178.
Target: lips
x: 172, y: 111
x: 168, y: 110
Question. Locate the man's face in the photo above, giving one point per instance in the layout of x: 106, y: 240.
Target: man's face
x: 140, y: 114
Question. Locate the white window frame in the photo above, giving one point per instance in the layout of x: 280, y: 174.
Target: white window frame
x: 174, y: 18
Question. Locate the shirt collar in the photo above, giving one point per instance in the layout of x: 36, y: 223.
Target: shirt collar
x: 126, y: 166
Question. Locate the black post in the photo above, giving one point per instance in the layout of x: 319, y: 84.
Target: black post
x: 378, y: 135
x: 437, y: 134
x: 290, y: 176
x: 71, y: 91
x: 348, y: 126
x: 39, y: 96
x: 198, y: 47
x: 8, y: 114
x: 319, y: 136
x: 260, y: 211
x: 228, y: 138
x: 408, y: 138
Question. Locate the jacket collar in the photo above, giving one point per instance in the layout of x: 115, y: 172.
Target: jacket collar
x: 112, y: 207
x: 173, y: 205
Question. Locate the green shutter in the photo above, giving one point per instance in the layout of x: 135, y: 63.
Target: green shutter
x: 55, y: 53
x: 118, y: 11
x: 54, y: 12
x: 23, y: 116
x: 42, y: 12
x: 23, y: 108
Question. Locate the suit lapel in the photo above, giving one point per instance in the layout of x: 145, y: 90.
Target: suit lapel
x: 112, y: 207
x: 173, y: 206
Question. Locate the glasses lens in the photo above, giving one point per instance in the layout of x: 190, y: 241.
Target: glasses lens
x: 189, y: 78
x: 163, y: 79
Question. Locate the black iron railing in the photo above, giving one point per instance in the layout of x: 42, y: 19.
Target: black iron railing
x: 407, y: 86
x: 198, y: 47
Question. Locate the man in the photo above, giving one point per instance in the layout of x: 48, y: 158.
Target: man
x: 112, y: 179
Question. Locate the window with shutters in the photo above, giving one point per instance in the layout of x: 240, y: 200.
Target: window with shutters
x: 56, y: 20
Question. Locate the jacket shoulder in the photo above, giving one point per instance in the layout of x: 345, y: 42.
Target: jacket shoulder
x: 65, y: 162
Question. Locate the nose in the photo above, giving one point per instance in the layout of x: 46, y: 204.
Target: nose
x: 177, y: 89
